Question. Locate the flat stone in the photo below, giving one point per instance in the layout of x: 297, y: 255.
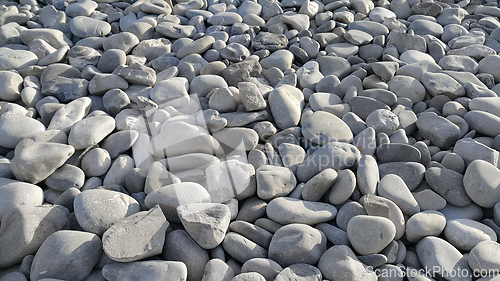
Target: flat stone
x: 397, y: 152
x: 155, y: 270
x: 407, y: 87
x: 136, y: 237
x: 274, y: 182
x: 297, y: 243
x: 65, y: 177
x: 300, y: 271
x: 448, y: 184
x: 438, y: 130
x: 483, y: 122
x: 16, y: 59
x: 442, y: 84
x: 90, y: 131
x: 286, y: 210
x: 84, y: 27
x: 57, y: 256
x: 269, y: 41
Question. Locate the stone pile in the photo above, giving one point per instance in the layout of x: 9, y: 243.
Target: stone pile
x: 249, y: 140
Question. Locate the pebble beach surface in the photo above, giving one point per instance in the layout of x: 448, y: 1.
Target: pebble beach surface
x: 250, y: 140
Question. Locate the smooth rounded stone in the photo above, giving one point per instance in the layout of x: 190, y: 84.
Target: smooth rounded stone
x: 281, y: 59
x: 464, y: 234
x: 343, y: 50
x: 286, y: 210
x: 335, y: 155
x: 357, y: 37
x: 84, y: 27
x: 429, y: 200
x: 118, y: 170
x: 255, y: 233
x: 470, y: 150
x: 367, y: 175
x: 382, y: 207
x: 347, y: 212
x: 365, y: 141
x: 14, y: 276
x: 274, y: 182
x: 11, y: 86
x: 343, y: 187
x: 340, y: 261
x: 241, y: 248
x: 225, y: 18
x: 481, y: 183
x: 235, y: 52
x: 189, y: 139
x: 90, y: 131
x: 119, y: 142
x: 16, y: 128
x: 442, y: 84
x: 318, y: 101
x: 196, y: 47
x: 286, y: 103
x: 458, y: 63
x: 235, y: 137
x: 124, y: 41
x: 407, y: 87
x: 425, y: 27
x: 383, y: 121
x: 472, y: 211
x: 25, y: 228
x: 179, y: 246
x: 66, y: 254
x: 147, y: 270
x: 440, y: 131
x: 111, y: 59
x: 158, y: 176
x: 484, y: 256
x: 394, y: 188
x: 16, y: 59
x: 36, y: 161
x: 297, y: 243
x: 323, y: 127
x: 426, y: 223
x: 268, y: 268
x: 397, y: 152
x: 203, y: 84
x: 448, y: 184
x: 101, y: 83
x: 489, y: 65
x: 363, y: 106
x: 442, y: 258
x: 317, y: 186
x: 16, y: 193
x: 216, y: 269
x: 93, y: 209
x: 385, y: 70
x: 175, y: 31
x: 206, y: 223
x: 486, y: 104
x: 483, y: 122
x: 300, y: 271
x: 67, y: 176
x: 330, y: 65
x: 83, y: 8
x: 136, y: 237
x: 360, y: 231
